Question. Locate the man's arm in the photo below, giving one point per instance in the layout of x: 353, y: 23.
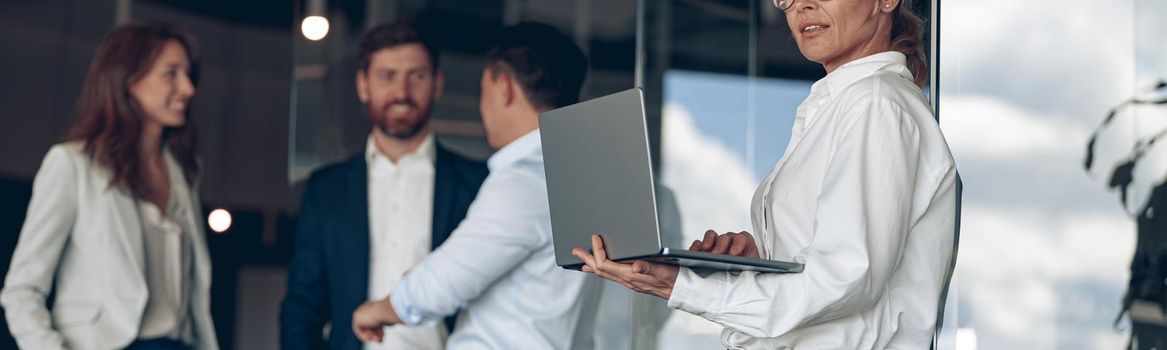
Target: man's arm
x: 503, y: 226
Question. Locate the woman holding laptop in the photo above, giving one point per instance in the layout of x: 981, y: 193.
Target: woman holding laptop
x: 864, y: 197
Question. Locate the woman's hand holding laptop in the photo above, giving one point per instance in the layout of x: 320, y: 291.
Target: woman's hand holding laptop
x: 654, y: 278
x: 639, y: 275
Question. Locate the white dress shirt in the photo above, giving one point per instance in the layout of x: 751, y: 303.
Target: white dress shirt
x: 401, y: 197
x: 499, y: 267
x: 865, y: 197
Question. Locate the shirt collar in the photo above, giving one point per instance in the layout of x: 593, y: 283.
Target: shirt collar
x: 853, y: 71
x: 425, y: 149
x: 518, y: 149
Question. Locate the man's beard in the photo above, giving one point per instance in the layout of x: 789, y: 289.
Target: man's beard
x: 382, y: 122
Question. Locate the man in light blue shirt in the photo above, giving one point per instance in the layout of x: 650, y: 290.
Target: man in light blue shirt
x: 498, y: 266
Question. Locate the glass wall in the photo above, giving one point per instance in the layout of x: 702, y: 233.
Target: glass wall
x: 725, y: 78
x: 721, y: 133
x: 1052, y: 110
x: 1045, y: 245
x: 721, y: 78
x: 1142, y: 176
x: 329, y: 123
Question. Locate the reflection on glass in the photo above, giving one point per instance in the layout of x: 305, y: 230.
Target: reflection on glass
x: 1044, y: 248
x: 1127, y: 153
x: 329, y: 123
x: 721, y: 134
x: 724, y: 80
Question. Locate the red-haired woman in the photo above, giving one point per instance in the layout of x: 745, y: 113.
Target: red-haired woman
x: 113, y: 229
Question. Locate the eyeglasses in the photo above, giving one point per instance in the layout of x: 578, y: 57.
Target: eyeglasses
x: 783, y: 4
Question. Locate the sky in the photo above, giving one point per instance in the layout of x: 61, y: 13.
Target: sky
x: 1045, y: 247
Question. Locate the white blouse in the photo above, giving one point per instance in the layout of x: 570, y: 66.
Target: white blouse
x: 168, y: 263
x: 865, y: 197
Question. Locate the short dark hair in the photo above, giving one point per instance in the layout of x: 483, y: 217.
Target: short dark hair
x: 393, y: 34
x: 546, y: 62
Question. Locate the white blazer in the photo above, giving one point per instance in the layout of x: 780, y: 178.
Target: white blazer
x: 83, y: 240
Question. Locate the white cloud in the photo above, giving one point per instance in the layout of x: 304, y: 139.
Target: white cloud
x: 988, y: 127
x: 1020, y: 276
x: 1044, y: 249
x: 1029, y: 252
x: 713, y: 188
x: 1072, y: 57
x: 1152, y: 55
x: 712, y: 184
x: 1024, y: 159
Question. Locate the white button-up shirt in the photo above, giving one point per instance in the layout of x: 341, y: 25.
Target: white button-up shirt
x: 865, y: 197
x: 499, y: 267
x: 401, y: 197
x: 168, y: 263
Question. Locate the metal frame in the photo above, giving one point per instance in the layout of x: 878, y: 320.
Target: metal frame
x: 934, y: 86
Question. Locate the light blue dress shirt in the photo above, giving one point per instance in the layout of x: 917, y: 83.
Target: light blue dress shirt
x: 499, y: 267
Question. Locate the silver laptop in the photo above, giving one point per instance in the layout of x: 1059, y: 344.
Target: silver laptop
x: 600, y: 180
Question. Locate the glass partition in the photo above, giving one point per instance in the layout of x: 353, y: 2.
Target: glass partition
x: 1045, y: 244
x: 327, y: 122
x: 722, y: 80
x: 1145, y: 194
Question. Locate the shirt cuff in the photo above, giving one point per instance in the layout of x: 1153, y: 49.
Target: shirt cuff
x: 700, y: 294
x: 403, y: 305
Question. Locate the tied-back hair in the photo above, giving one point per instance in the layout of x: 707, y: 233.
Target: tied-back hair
x: 110, y: 120
x: 907, y: 37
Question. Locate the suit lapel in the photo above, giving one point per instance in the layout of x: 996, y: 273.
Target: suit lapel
x: 355, y: 246
x: 125, y: 216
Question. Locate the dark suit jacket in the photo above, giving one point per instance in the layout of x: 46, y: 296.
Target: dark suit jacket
x: 328, y: 274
